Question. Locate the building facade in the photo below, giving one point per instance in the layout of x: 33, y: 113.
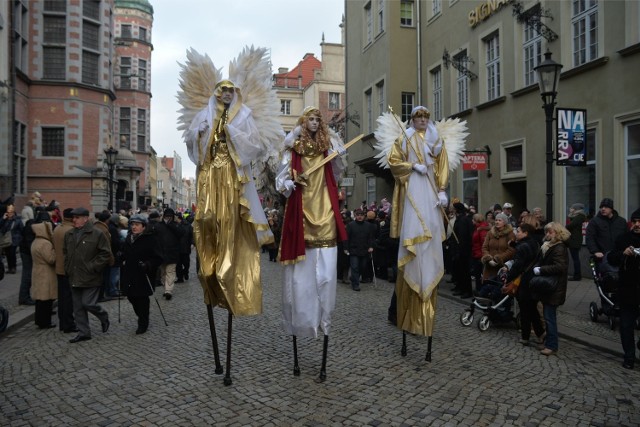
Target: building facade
x: 476, y: 61
x: 69, y: 97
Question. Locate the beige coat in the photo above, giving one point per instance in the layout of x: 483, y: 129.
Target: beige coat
x: 58, y: 244
x: 44, y: 282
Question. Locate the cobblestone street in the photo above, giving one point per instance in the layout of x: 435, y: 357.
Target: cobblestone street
x: 166, y: 376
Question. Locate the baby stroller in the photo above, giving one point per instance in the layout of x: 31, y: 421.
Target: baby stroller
x: 495, y: 306
x: 605, y: 277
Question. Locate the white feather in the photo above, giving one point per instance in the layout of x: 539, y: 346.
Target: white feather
x: 387, y: 131
x: 453, y: 133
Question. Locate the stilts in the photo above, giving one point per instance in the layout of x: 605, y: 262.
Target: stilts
x: 403, y: 351
x: 428, y: 355
x: 214, y: 340
x: 296, y: 367
x: 227, y: 376
x: 323, y: 369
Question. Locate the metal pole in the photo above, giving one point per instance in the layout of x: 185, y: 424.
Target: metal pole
x: 111, y: 188
x: 549, y: 108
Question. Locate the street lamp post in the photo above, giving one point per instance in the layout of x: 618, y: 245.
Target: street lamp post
x: 163, y: 196
x: 111, y: 154
x: 548, y: 72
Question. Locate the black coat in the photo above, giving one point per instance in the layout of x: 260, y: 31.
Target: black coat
x: 361, y: 237
x: 186, y: 237
x: 169, y: 235
x: 133, y: 274
x: 526, y: 254
x: 460, y: 248
x: 629, y: 273
x: 602, y: 232
x: 555, y: 262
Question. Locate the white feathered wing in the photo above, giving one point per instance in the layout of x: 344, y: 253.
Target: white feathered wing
x: 453, y: 133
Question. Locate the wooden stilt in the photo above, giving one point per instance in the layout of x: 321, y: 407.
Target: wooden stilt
x: 227, y: 377
x: 428, y: 356
x: 403, y: 351
x: 214, y: 340
x: 323, y: 369
x: 296, y: 367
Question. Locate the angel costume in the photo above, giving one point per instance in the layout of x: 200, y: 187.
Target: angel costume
x: 311, y: 229
x: 230, y: 226
x: 416, y: 216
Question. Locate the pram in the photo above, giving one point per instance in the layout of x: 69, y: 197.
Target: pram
x: 605, y: 277
x: 495, y: 306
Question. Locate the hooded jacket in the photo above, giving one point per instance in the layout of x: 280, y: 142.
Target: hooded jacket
x: 44, y: 282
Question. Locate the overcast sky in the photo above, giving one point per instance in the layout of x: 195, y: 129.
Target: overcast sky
x: 290, y: 28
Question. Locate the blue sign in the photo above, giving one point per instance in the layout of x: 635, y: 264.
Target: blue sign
x: 571, y: 147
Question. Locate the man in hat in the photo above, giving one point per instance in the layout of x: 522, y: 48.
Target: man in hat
x: 87, y: 253
x: 460, y: 251
x: 576, y: 218
x: 626, y: 255
x: 604, y: 229
x: 359, y: 248
x: 506, y: 209
x: 169, y: 235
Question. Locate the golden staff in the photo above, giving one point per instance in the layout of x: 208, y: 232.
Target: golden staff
x: 300, y: 178
x: 433, y: 187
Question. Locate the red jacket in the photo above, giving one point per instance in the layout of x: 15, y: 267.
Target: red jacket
x: 479, y: 234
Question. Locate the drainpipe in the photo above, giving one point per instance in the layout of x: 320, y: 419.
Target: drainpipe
x: 419, y: 52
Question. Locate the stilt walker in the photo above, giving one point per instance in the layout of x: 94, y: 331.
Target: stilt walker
x: 421, y: 158
x: 227, y: 130
x: 312, y: 227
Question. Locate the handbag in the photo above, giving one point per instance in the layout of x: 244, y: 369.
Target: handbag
x: 5, y: 240
x: 543, y: 285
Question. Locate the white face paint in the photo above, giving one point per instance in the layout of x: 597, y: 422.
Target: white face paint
x: 227, y: 95
x: 313, y: 122
x: 420, y: 123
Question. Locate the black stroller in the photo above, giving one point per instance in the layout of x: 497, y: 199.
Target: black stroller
x: 496, y: 306
x: 605, y: 277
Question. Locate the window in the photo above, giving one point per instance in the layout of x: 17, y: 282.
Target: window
x: 632, y: 143
x: 585, y: 31
x: 54, y: 63
x: 406, y: 13
x: 125, y: 127
x: 55, y: 5
x: 19, y: 158
x: 492, y: 47
x: 142, y: 130
x: 142, y: 74
x: 285, y: 107
x: 91, y: 9
x: 462, y: 84
x: 55, y: 29
x: 470, y: 187
x: 53, y: 142
x: 125, y: 72
x: 21, y: 35
x: 380, y: 16
x: 90, y: 35
x: 532, y: 54
x: 90, y: 65
x: 369, y: 107
x: 581, y: 181
x: 380, y: 92
x: 334, y: 101
x: 512, y: 160
x: 125, y: 31
x: 436, y: 81
x: 407, y: 102
x: 142, y: 33
x: 436, y: 7
x: 368, y: 19
x: 371, y: 189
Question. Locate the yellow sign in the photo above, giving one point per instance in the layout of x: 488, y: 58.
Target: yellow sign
x: 485, y: 10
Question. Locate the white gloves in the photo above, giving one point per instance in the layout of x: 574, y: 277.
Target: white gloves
x: 289, y: 185
x: 536, y: 271
x: 421, y: 169
x: 341, y: 151
x: 492, y: 263
x: 204, y: 126
x: 442, y: 198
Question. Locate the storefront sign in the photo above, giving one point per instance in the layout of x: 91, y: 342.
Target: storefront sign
x: 474, y: 162
x: 485, y: 10
x: 571, y: 147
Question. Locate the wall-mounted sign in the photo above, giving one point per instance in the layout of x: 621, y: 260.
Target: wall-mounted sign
x: 474, y: 162
x: 485, y: 10
x: 571, y: 146
x: 346, y: 182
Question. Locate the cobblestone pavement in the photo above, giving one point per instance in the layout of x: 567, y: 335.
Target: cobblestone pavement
x: 166, y: 376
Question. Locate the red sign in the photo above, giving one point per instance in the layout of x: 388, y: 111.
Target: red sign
x: 474, y: 162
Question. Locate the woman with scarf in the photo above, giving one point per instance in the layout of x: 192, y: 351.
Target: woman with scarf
x: 496, y: 249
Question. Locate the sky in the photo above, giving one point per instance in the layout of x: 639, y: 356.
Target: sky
x: 289, y: 28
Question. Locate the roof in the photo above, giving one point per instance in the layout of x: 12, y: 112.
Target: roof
x: 142, y: 5
x: 304, y: 69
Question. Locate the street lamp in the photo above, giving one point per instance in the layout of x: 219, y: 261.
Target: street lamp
x: 111, y: 154
x: 163, y: 196
x: 548, y: 72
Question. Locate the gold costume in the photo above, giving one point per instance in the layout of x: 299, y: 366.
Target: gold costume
x: 225, y: 236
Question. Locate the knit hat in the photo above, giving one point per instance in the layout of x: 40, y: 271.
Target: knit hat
x: 607, y: 203
x: 497, y: 207
x: 577, y: 206
x: 503, y: 217
x: 635, y: 214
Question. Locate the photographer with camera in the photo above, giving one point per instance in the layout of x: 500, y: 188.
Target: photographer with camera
x: 626, y: 255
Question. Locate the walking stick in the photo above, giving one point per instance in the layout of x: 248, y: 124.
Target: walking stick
x: 119, y: 296
x: 373, y: 268
x: 154, y: 297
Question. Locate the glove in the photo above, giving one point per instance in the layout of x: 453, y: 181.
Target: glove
x: 289, y: 185
x: 421, y: 169
x: 204, y: 126
x: 492, y: 263
x: 341, y: 151
x: 536, y: 271
x: 442, y: 198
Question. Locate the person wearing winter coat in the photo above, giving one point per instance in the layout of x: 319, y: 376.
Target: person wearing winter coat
x: 186, y: 241
x: 460, y: 250
x: 66, y: 322
x: 11, y: 226
x: 44, y: 286
x: 576, y: 218
x: 554, y: 262
x: 169, y: 235
x: 604, y: 229
x: 496, y: 249
x: 140, y: 257
x: 480, y: 231
x: 522, y: 264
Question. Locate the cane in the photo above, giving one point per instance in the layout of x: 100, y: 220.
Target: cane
x: 119, y: 296
x: 154, y: 297
x: 373, y: 269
